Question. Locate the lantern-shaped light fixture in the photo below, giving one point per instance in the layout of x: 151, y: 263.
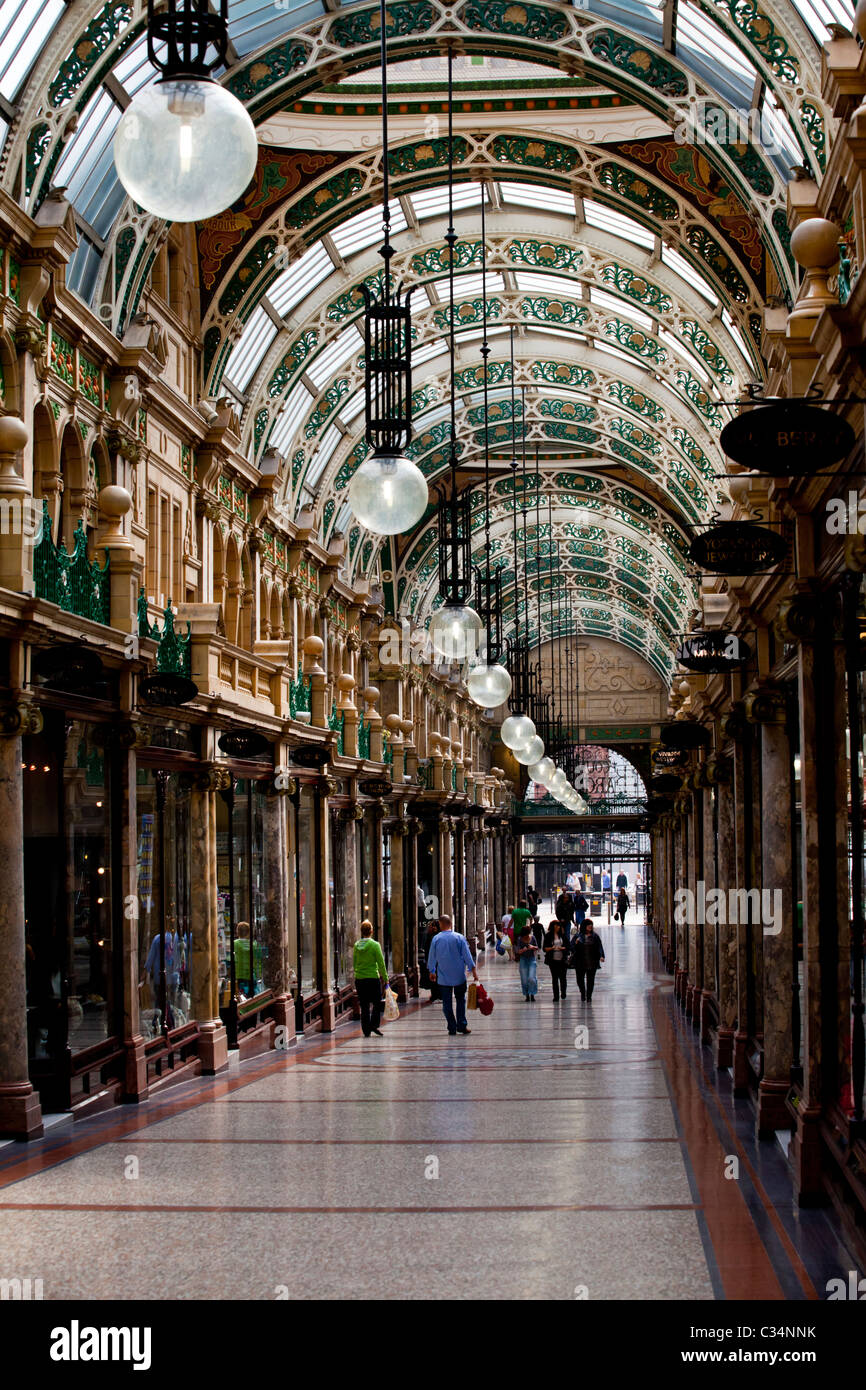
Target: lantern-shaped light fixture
x: 185, y: 148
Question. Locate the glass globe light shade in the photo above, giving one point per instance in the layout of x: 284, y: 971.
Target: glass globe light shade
x: 542, y: 771
x: 455, y: 631
x: 530, y: 752
x: 488, y: 686
x: 185, y: 149
x: 516, y: 730
x: 558, y: 782
x: 388, y: 494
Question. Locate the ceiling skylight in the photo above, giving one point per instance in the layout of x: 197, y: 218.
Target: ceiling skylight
x: 617, y: 223
x: 297, y: 406
x: 365, y: 228
x: 530, y: 195
x: 249, y: 351
x: 322, y: 369
x: 300, y: 279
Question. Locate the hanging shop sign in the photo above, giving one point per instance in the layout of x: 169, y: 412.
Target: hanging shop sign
x: 657, y: 804
x: 167, y: 690
x: 737, y: 547
x: 664, y: 783
x: 69, y: 665
x: 713, y: 652
x: 376, y: 786
x: 311, y: 755
x: 669, y: 757
x: 243, y: 743
x: 684, y: 734
x: 787, y: 439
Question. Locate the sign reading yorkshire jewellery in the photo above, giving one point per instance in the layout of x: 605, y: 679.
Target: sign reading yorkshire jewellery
x: 737, y: 547
x: 166, y: 689
x: 669, y: 757
x: 787, y: 439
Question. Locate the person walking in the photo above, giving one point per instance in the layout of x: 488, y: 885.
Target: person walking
x: 520, y: 918
x: 432, y: 932
x: 565, y: 911
x: 448, y: 961
x: 621, y: 880
x: 581, y: 908
x: 556, y: 957
x: 370, y: 977
x: 532, y: 900
x: 587, y: 956
x: 622, y: 906
x: 527, y: 952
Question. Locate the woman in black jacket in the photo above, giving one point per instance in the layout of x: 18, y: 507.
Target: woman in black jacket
x: 556, y: 957
x: 586, y: 957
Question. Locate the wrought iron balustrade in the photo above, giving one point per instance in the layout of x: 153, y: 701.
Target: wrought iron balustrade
x: 68, y: 578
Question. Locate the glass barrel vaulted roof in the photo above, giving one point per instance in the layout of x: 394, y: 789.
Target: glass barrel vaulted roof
x: 630, y: 249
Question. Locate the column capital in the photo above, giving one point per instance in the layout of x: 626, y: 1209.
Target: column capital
x: 19, y: 716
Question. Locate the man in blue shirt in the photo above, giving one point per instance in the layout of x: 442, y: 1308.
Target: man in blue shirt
x: 447, y: 963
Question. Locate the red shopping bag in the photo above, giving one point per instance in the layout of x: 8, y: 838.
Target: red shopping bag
x: 485, y: 1003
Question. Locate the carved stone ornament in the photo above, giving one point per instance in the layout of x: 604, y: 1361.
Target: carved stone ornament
x: 719, y: 770
x: 354, y: 812
x: 18, y: 717
x: 400, y: 828
x: 735, y: 725
x: 797, y: 619
x: 765, y: 706
x: 283, y: 784
x: 123, y: 444
x: 213, y: 778
x: 30, y: 338
x: 330, y: 786
x: 132, y: 733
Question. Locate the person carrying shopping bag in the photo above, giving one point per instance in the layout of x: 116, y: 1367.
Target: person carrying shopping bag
x: 527, y: 951
x: 370, y: 977
x: 448, y: 961
x: 586, y: 956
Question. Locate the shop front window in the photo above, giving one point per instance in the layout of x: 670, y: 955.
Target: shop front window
x: 386, y: 897
x: 241, y: 894
x: 338, y: 902
x: 306, y: 889
x: 165, y: 929
x: 67, y: 892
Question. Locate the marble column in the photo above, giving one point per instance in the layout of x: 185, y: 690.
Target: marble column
x: 481, y: 914
x: 728, y: 946
x: 204, y: 972
x: 446, y: 899
x: 741, y: 879
x: 282, y: 1010
x: 135, y: 1067
x: 400, y: 905
x: 778, y: 947
x: 20, y: 1110
x: 708, y: 865
x: 324, y: 944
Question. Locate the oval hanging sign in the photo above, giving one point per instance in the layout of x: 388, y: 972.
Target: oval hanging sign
x: 737, y: 547
x: 243, y: 743
x: 684, y: 734
x: 787, y: 439
x: 67, y: 663
x: 669, y: 757
x: 376, y: 786
x: 166, y: 689
x: 712, y: 652
x: 664, y: 783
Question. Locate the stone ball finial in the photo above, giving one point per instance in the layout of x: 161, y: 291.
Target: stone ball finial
x: 394, y: 722
x: 815, y: 243
x: 433, y: 743
x: 313, y: 646
x: 346, y: 682
x: 14, y: 434
x: 115, y: 501
x: 407, y: 727
x: 859, y: 25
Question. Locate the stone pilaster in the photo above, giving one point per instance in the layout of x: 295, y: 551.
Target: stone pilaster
x: 727, y: 984
x: 205, y: 1002
x: 20, y: 1110
x: 778, y: 948
x: 275, y: 848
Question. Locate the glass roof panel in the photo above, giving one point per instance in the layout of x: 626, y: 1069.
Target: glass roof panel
x: 255, y: 340
x: 352, y: 407
x: 686, y: 272
x: 297, y: 405
x: 707, y: 50
x: 552, y: 284
x: 737, y: 337
x: 465, y: 286
x: 616, y: 222
x: 330, y: 440
x: 300, y: 279
x: 644, y: 16
x: 254, y: 23
x: 322, y: 370
x: 679, y: 349
x: 621, y: 307
x: 366, y: 227
x: 777, y: 134
x: 819, y: 13
x: 433, y: 202
x: 428, y: 351
x: 24, y: 27
x: 530, y: 195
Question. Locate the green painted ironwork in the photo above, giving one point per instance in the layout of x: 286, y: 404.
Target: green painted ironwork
x: 454, y: 779
x: 337, y: 722
x: 363, y: 738
x: 425, y: 775
x: 68, y: 578
x: 174, y: 656
x: 300, y: 694
x: 387, y: 751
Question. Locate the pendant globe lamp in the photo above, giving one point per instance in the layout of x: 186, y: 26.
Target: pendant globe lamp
x: 185, y: 148
x: 542, y: 771
x: 516, y: 731
x: 529, y: 753
x: 489, y: 684
x: 455, y: 630
x: 388, y: 492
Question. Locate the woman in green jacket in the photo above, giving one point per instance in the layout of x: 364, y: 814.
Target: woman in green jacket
x: 370, y: 976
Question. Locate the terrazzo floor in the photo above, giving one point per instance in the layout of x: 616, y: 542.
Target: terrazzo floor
x: 563, y: 1149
